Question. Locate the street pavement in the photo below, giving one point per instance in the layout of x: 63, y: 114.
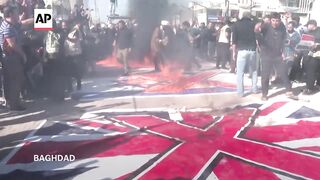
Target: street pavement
x: 168, y: 125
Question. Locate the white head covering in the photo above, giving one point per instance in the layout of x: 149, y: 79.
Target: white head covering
x: 165, y: 23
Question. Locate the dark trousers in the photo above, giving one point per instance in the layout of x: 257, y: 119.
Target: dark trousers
x: 75, y: 68
x: 312, y: 67
x: 13, y: 76
x: 223, y: 54
x: 296, y: 72
x: 204, y: 49
x: 268, y: 63
x: 56, y: 77
x: 1, y: 80
x: 190, y: 55
x: 211, y: 49
x: 158, y: 59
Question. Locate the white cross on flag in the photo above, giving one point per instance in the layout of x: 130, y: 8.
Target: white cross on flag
x: 275, y: 141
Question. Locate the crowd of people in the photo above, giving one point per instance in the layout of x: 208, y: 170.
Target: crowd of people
x: 269, y: 47
x: 273, y: 46
x: 46, y: 63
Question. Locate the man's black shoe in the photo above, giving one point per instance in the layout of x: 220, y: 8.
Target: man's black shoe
x: 157, y: 70
x: 309, y: 92
x: 276, y: 82
x: 18, y: 108
x: 2, y: 106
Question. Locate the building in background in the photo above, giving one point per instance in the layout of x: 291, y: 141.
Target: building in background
x: 74, y: 2
x: 206, y: 10
x: 61, y: 9
x: 101, y: 9
x: 303, y: 8
x: 202, y: 10
x: 315, y: 10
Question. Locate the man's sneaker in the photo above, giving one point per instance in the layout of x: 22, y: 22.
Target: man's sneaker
x: 255, y: 91
x: 264, y: 98
x: 126, y: 74
x: 289, y: 94
x: 223, y: 67
x: 308, y: 92
x: 292, y: 96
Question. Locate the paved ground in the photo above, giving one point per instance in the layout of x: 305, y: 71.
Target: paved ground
x: 166, y: 125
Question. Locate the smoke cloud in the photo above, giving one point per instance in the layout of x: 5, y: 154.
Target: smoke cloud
x: 148, y: 14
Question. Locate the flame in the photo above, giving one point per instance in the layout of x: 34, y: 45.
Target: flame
x: 168, y: 74
x: 180, y: 84
x: 170, y: 80
x: 109, y: 62
x: 114, y: 63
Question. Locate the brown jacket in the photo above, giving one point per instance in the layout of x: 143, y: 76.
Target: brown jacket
x: 158, y: 41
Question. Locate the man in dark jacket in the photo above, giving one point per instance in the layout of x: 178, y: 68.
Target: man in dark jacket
x: 273, y: 37
x: 212, y: 38
x: 204, y: 41
x: 124, y: 41
x: 161, y: 44
x: 312, y: 63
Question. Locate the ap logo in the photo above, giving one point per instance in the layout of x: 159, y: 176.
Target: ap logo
x: 43, y: 19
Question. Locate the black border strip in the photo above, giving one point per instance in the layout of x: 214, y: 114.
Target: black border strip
x: 151, y: 161
x: 221, y: 155
x: 215, y: 120
x: 251, y: 125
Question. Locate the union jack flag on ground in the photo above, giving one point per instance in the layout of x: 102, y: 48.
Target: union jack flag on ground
x: 278, y: 140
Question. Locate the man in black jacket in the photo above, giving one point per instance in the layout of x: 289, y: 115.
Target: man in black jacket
x: 124, y: 41
x: 273, y: 37
x: 312, y: 64
x: 212, y: 38
x: 244, y: 48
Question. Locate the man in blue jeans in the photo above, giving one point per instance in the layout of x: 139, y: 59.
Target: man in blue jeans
x: 244, y: 51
